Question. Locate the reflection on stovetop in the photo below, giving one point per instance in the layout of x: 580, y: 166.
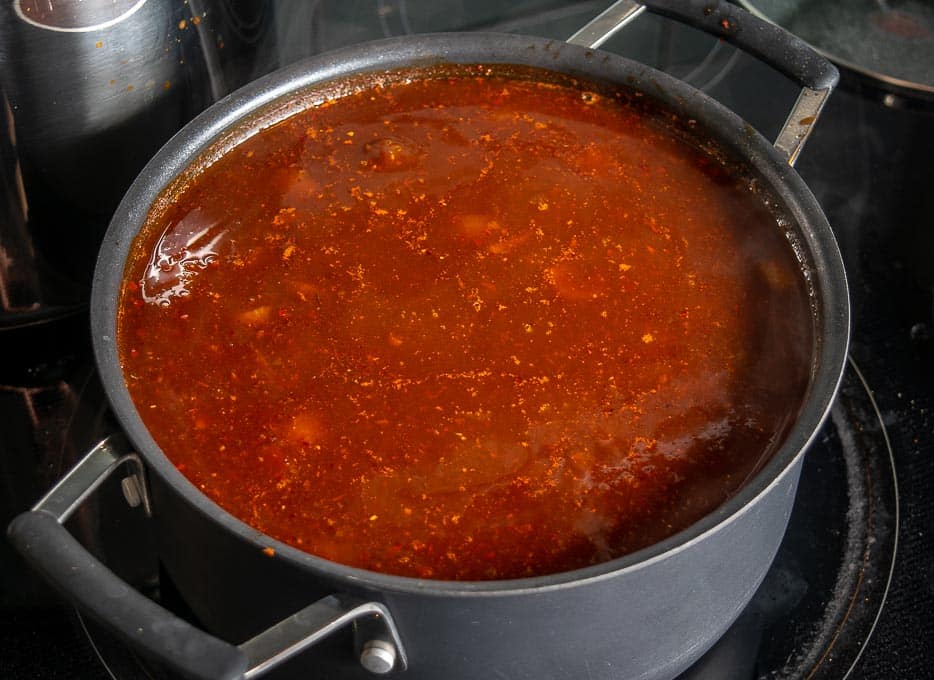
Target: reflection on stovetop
x: 821, y: 599
x: 818, y: 611
x: 870, y: 169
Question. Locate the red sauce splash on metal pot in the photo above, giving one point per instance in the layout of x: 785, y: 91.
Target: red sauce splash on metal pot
x: 467, y: 324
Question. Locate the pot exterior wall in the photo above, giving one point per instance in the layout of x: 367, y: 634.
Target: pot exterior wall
x: 651, y: 620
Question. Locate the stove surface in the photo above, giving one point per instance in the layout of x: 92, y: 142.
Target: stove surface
x: 852, y: 589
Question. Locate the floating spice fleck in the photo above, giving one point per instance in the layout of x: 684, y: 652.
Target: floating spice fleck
x: 473, y: 323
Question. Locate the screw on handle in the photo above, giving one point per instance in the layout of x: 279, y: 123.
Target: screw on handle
x: 378, y: 656
x: 306, y: 627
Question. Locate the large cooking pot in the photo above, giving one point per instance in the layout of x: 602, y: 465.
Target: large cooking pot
x: 650, y: 614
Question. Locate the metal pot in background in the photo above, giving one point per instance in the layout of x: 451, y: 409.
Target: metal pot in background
x: 884, y: 50
x: 883, y: 46
x: 92, y: 89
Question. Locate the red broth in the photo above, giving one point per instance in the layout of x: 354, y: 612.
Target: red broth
x: 462, y: 324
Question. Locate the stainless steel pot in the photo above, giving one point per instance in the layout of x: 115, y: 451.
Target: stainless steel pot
x: 90, y: 90
x: 884, y: 48
x: 647, y: 615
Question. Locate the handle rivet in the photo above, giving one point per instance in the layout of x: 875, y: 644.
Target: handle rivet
x: 131, y: 491
x: 378, y: 656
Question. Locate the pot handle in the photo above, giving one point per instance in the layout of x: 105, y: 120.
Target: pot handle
x: 39, y: 535
x: 775, y: 46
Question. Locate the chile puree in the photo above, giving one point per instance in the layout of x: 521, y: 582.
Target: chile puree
x: 467, y: 323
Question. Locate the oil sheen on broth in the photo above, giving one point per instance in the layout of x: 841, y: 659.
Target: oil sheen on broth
x: 460, y: 324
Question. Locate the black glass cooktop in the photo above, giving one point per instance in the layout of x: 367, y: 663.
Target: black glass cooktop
x: 851, y: 590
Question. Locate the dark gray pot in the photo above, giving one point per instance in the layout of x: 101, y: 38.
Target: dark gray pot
x: 647, y: 615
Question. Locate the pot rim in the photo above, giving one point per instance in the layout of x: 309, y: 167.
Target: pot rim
x: 822, y: 255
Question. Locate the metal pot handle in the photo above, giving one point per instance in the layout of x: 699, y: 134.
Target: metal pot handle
x: 154, y: 631
x: 775, y: 46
